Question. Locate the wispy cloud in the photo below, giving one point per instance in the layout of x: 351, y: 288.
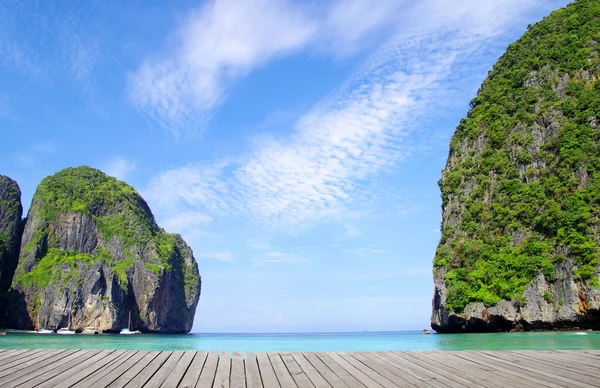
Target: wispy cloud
x: 119, y: 167
x: 226, y: 39
x: 363, y: 128
x: 277, y: 257
x: 351, y: 231
x: 220, y: 256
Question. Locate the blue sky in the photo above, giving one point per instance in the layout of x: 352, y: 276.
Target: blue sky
x: 295, y: 145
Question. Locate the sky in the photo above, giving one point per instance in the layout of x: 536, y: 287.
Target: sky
x: 295, y: 145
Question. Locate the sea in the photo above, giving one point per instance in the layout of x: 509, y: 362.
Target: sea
x: 310, y: 342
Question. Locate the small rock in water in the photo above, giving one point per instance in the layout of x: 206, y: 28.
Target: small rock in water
x: 425, y: 331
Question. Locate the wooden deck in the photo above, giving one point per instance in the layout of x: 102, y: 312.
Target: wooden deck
x: 130, y: 368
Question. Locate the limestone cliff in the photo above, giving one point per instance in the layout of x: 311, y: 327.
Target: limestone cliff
x: 521, y: 189
x: 11, y: 212
x: 91, y: 247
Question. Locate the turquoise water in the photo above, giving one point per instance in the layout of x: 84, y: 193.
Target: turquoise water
x: 311, y: 342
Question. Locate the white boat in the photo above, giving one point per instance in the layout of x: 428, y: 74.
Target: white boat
x: 127, y: 330
x: 66, y: 330
x: 44, y: 331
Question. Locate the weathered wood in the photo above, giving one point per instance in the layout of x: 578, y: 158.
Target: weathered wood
x: 360, y: 376
x: 238, y: 379
x: 30, y: 371
x: 223, y: 370
x: 115, y: 371
x: 133, y: 371
x: 267, y: 374
x: 253, y: 379
x: 340, y: 372
x: 301, y: 379
x: 330, y: 376
x: 367, y: 371
x: 311, y: 372
x: 146, y: 374
x: 382, y: 368
x: 207, y: 376
x: 86, y: 368
x: 49, y: 370
x: 192, y: 374
x: 130, y: 368
x: 38, y: 360
x: 159, y: 377
x: 176, y: 375
x: 479, y: 358
x: 403, y: 366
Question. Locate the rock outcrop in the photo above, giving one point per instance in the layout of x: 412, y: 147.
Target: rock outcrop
x: 92, y: 248
x: 11, y: 213
x: 520, y: 241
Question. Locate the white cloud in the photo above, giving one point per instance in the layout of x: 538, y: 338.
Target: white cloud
x: 277, y: 257
x: 226, y: 39
x: 119, y: 167
x: 365, y: 127
x: 351, y: 231
x: 220, y: 256
x: 186, y: 222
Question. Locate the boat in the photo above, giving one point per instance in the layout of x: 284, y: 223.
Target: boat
x: 127, y: 330
x: 43, y: 330
x: 66, y: 330
x: 2, y: 333
x: 425, y: 331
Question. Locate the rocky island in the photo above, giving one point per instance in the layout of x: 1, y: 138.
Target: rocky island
x: 521, y: 188
x: 90, y: 247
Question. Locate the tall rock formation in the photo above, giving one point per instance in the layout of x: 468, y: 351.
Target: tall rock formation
x: 521, y: 189
x: 91, y: 247
x: 11, y: 213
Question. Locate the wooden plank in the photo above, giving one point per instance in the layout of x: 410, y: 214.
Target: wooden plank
x: 338, y: 371
x: 513, y: 370
x: 207, y: 377
x: 359, y: 375
x: 42, y: 359
x: 559, y: 363
x: 238, y: 379
x: 14, y: 355
x: 576, y: 357
x: 267, y: 373
x: 34, y: 368
x: 64, y: 372
x: 223, y: 371
x: 574, y: 379
x: 193, y: 372
x: 164, y: 370
x: 126, y: 375
x: 329, y: 376
x: 83, y: 370
x: 451, y: 376
x: 28, y: 355
x: 311, y: 372
x: 33, y: 372
x: 110, y: 372
x: 370, y: 373
x: 384, y: 369
x: 405, y: 366
x: 253, y: 379
x: 485, y: 372
x: 146, y: 374
x: 283, y: 375
x: 301, y: 379
x: 172, y: 381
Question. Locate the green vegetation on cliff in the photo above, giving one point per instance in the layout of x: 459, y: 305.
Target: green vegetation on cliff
x: 118, y: 212
x: 521, y: 190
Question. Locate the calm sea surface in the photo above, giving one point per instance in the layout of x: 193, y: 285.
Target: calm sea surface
x: 310, y: 342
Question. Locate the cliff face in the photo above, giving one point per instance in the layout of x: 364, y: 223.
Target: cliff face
x: 11, y: 212
x: 521, y: 188
x: 91, y: 247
